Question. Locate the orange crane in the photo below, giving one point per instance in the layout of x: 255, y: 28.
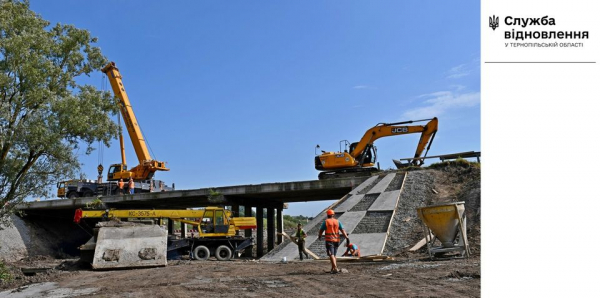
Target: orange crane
x: 147, y: 165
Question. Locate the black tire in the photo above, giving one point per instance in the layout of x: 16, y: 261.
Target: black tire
x: 223, y: 253
x: 88, y: 193
x: 73, y: 195
x: 201, y: 253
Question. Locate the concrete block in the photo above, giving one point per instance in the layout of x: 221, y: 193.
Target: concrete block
x: 363, y: 185
x: 351, y: 219
x: 349, y: 203
x: 369, y: 244
x: 130, y: 247
x: 386, y: 201
x: 383, y: 184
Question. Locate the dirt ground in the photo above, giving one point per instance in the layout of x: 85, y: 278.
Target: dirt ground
x: 247, y: 278
x: 411, y: 274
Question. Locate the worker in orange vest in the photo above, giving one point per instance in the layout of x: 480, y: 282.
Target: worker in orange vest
x: 332, y: 227
x: 121, y: 185
x: 131, y: 185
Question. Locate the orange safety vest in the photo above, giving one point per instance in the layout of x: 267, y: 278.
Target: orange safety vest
x: 131, y: 184
x: 332, y: 230
x: 121, y: 184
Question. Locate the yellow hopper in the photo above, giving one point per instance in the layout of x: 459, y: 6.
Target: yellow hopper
x: 447, y: 222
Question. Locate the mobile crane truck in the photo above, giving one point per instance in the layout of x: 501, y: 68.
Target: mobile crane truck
x: 132, y: 244
x: 142, y: 174
x: 362, y: 155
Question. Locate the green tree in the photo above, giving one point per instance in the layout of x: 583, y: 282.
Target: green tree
x: 45, y: 115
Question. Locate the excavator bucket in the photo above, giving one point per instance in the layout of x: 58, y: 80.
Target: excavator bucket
x: 127, y: 245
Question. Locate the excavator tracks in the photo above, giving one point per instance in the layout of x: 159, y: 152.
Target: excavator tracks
x: 348, y: 173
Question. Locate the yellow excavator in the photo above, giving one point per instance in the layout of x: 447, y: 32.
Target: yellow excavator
x: 358, y: 158
x: 145, y: 170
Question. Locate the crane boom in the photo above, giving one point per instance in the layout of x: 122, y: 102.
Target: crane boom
x: 147, y: 166
x: 137, y: 139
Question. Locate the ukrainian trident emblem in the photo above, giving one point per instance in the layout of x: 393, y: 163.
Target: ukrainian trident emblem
x: 494, y: 22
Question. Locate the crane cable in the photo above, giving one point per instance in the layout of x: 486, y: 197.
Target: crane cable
x: 103, y: 87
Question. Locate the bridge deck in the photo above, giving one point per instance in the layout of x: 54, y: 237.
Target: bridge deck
x: 267, y: 194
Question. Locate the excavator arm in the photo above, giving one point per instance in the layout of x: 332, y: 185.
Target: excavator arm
x: 392, y: 129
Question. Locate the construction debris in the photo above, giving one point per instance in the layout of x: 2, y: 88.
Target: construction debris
x: 371, y: 258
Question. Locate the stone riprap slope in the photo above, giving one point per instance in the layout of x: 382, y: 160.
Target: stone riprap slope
x: 380, y: 214
x: 365, y: 214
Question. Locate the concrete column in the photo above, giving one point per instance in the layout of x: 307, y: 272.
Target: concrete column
x: 170, y: 226
x: 279, y: 225
x: 248, y: 233
x: 183, y: 230
x: 235, y: 211
x: 259, y: 232
x: 270, y: 228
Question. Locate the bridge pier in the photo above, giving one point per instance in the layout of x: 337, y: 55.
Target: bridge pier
x: 248, y: 233
x: 279, y: 224
x: 170, y: 226
x: 259, y: 231
x: 270, y: 229
x: 235, y: 211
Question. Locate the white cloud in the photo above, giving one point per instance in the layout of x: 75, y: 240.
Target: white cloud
x: 457, y: 87
x: 363, y: 87
x: 458, y: 72
x: 438, y: 103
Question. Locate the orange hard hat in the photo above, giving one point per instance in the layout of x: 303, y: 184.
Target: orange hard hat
x: 330, y: 212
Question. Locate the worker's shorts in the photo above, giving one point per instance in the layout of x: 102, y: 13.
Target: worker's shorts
x: 331, y: 248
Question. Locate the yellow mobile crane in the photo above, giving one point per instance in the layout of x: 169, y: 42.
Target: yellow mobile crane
x: 117, y: 244
x: 140, y: 173
x: 362, y: 155
x: 145, y: 170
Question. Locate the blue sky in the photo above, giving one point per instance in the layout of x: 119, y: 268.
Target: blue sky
x: 240, y: 92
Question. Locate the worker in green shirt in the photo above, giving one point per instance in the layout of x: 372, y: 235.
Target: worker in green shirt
x: 300, y: 238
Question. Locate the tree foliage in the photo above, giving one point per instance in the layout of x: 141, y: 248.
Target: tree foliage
x: 45, y: 115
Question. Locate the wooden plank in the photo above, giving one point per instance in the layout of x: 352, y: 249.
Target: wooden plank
x: 421, y: 243
x: 371, y: 258
x: 313, y: 255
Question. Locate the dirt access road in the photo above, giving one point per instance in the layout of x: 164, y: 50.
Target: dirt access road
x: 243, y: 278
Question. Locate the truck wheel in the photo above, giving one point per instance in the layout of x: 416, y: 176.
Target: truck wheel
x: 223, y: 253
x: 88, y: 193
x: 73, y: 195
x: 201, y: 253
